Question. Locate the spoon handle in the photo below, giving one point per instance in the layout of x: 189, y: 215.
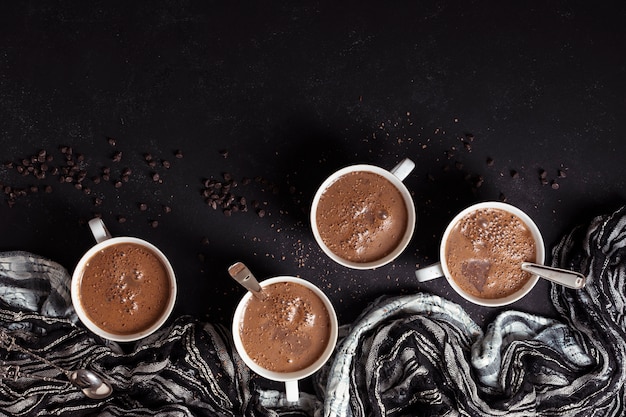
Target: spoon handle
x: 565, y: 277
x: 240, y: 273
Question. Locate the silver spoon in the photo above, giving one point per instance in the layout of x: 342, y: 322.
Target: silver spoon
x: 90, y: 383
x: 565, y: 277
x: 240, y: 273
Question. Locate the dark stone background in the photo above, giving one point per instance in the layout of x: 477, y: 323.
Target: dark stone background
x: 284, y: 93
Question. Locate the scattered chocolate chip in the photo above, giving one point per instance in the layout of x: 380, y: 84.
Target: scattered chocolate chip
x: 224, y: 153
x: 147, y: 157
x: 561, y: 173
x: 166, y: 164
x: 111, y: 141
x: 118, y: 184
x: 121, y: 219
x: 154, y: 224
x: 167, y: 209
x: 490, y: 162
x: 514, y: 173
x: 205, y: 240
x: 155, y: 177
x: 261, y: 213
x: 554, y: 185
x: 143, y: 206
x: 178, y: 154
x: 48, y: 189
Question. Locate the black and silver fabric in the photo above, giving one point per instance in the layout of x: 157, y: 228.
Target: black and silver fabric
x: 417, y: 355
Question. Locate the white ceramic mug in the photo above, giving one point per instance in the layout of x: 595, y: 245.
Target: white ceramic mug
x: 104, y: 240
x: 289, y: 378
x: 395, y: 177
x: 440, y: 269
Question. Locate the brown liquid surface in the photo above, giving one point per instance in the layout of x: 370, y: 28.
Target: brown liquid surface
x: 362, y: 217
x: 124, y: 288
x: 288, y: 331
x: 485, y: 250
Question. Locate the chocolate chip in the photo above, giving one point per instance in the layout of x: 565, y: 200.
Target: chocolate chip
x: 490, y: 162
x: 261, y: 213
x: 554, y: 185
x: 155, y: 177
x: 514, y: 173
x: 121, y: 219
x: 167, y: 209
x: 154, y: 224
x: 224, y: 153
x: 166, y: 164
x: 178, y: 154
x: 111, y: 141
x: 143, y: 206
x: 561, y: 173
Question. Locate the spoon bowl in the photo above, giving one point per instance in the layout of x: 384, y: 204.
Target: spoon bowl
x: 92, y: 385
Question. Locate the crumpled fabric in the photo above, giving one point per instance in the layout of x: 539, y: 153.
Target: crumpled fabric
x: 415, y: 355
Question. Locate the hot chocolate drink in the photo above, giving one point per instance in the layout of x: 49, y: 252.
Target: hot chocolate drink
x: 361, y: 217
x: 124, y: 288
x: 288, y: 330
x: 485, y: 250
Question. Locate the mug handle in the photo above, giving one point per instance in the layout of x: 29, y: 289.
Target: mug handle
x: 430, y: 272
x: 291, y: 390
x: 99, y: 230
x: 403, y: 169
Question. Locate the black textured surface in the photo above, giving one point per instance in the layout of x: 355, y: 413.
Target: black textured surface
x: 484, y: 98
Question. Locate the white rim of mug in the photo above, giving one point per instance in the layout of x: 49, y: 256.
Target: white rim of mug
x: 286, y: 376
x: 539, y: 250
x: 77, y: 277
x: 408, y: 202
